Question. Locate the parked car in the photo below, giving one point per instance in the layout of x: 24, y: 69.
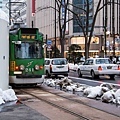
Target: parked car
x: 74, y: 66
x: 71, y: 66
x: 56, y: 66
x: 98, y: 66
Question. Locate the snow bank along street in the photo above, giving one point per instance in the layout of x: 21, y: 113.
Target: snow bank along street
x: 105, y: 92
x: 7, y: 96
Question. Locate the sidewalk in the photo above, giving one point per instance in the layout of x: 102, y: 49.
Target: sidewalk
x: 20, y: 112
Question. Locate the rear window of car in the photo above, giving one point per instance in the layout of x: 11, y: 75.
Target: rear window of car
x: 47, y: 62
x: 103, y: 61
x: 59, y: 62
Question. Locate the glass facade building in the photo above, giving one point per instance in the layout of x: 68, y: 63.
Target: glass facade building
x: 78, y: 6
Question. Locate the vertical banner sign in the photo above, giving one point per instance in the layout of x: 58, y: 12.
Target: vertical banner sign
x: 33, y: 7
x: 49, y: 45
x: 63, y: 16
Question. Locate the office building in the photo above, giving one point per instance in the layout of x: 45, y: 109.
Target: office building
x: 107, y: 19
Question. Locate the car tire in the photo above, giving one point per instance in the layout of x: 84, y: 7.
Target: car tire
x: 93, y: 75
x: 56, y: 76
x: 79, y: 74
x: 66, y: 75
x: 47, y: 74
x: 112, y: 77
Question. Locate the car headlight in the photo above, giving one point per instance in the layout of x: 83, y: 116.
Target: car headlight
x: 22, y: 67
x: 36, y: 67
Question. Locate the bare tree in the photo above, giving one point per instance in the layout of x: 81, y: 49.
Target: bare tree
x: 62, y: 20
x: 62, y: 4
x: 87, y: 27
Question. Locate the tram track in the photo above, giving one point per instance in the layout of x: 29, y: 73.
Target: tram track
x: 78, y: 101
x: 57, y: 106
x: 55, y: 99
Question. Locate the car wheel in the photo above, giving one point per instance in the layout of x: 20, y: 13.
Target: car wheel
x: 93, y: 75
x: 79, y: 73
x: 56, y: 76
x: 47, y: 74
x: 66, y: 75
x: 112, y: 77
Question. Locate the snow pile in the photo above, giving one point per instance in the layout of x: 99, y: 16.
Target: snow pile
x: 106, y: 92
x: 7, y: 96
x: 117, y: 97
x: 108, y: 96
x: 93, y: 92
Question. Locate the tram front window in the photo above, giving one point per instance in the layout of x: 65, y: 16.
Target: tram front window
x: 28, y: 50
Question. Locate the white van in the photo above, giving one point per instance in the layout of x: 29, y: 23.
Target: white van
x: 56, y: 66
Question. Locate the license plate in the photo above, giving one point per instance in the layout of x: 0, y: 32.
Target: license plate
x: 60, y: 66
x: 109, y: 67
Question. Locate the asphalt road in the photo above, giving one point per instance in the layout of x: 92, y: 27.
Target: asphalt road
x: 92, y: 82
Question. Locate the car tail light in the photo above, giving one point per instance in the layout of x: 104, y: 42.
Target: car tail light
x: 99, y: 68
x: 50, y: 68
x: 118, y: 67
x: 16, y: 67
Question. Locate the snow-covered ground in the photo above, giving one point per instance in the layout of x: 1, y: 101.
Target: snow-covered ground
x: 105, y: 92
x: 7, y: 96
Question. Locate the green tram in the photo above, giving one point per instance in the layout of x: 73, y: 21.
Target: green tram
x: 26, y: 57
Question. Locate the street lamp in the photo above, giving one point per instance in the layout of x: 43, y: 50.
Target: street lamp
x: 105, y: 41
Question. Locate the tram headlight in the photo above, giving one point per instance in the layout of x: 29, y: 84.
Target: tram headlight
x: 22, y: 67
x: 36, y: 67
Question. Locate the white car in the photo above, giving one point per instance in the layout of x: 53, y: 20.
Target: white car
x: 98, y: 66
x: 56, y: 66
x: 74, y: 67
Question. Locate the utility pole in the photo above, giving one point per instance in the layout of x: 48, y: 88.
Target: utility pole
x: 55, y: 28
x: 113, y: 27
x: 119, y: 19
x: 46, y: 46
x: 9, y: 12
x: 105, y: 28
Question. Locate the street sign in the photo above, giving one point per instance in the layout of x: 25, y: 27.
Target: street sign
x: 49, y: 45
x: 49, y: 42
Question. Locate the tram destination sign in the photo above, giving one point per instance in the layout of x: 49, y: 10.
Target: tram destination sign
x: 28, y: 37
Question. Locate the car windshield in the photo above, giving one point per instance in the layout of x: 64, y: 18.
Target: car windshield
x: 103, y: 61
x: 59, y: 62
x: 28, y: 50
